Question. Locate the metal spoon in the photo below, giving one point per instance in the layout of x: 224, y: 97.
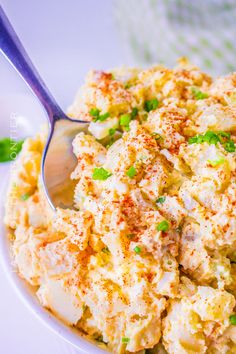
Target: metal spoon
x: 58, y: 160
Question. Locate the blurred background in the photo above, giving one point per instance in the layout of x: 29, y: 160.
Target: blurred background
x: 155, y: 31
x: 67, y: 38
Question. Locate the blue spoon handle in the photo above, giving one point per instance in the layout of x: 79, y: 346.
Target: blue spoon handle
x: 12, y: 48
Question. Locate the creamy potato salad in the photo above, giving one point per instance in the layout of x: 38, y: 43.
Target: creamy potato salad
x: 146, y: 261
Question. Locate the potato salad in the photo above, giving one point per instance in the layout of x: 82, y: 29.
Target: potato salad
x: 145, y: 262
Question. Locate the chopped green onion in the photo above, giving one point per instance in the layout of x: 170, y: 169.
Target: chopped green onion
x: 199, y: 95
x: 232, y: 319
x: 101, y: 174
x: 134, y: 113
x: 137, y: 249
x: 125, y: 340
x: 157, y: 136
x: 213, y: 138
x: 9, y: 149
x: 193, y: 140
x: 112, y: 131
x: 94, y: 112
x: 24, y: 196
x: 125, y: 119
x: 131, y: 172
x: 216, y: 162
x: 230, y: 146
x: 104, y: 116
x: 224, y: 134
x: 163, y: 226
x: 151, y: 105
x: 209, y: 137
x: 161, y: 200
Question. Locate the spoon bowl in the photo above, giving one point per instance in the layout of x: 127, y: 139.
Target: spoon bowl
x: 59, y: 161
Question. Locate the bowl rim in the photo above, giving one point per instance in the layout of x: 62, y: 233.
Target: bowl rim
x: 26, y: 296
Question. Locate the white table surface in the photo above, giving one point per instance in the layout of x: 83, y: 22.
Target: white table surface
x: 64, y: 39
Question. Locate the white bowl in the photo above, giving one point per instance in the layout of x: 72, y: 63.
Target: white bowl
x: 25, y: 107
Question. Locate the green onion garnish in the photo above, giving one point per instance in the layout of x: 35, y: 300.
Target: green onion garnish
x: 24, y: 196
x: 232, y: 320
x: 112, y: 131
x: 95, y: 113
x: 101, y: 174
x: 209, y: 137
x: 9, y: 149
x: 163, y: 226
x: 161, y: 200
x: 216, y: 162
x: 151, y: 105
x: 229, y: 146
x: 131, y: 172
x: 125, y: 120
x: 199, y: 95
x: 103, y: 117
x: 157, y: 136
x: 214, y: 138
x: 134, y: 113
x: 224, y: 134
x: 137, y: 249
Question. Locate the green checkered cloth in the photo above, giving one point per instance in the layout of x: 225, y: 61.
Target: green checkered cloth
x: 161, y: 31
